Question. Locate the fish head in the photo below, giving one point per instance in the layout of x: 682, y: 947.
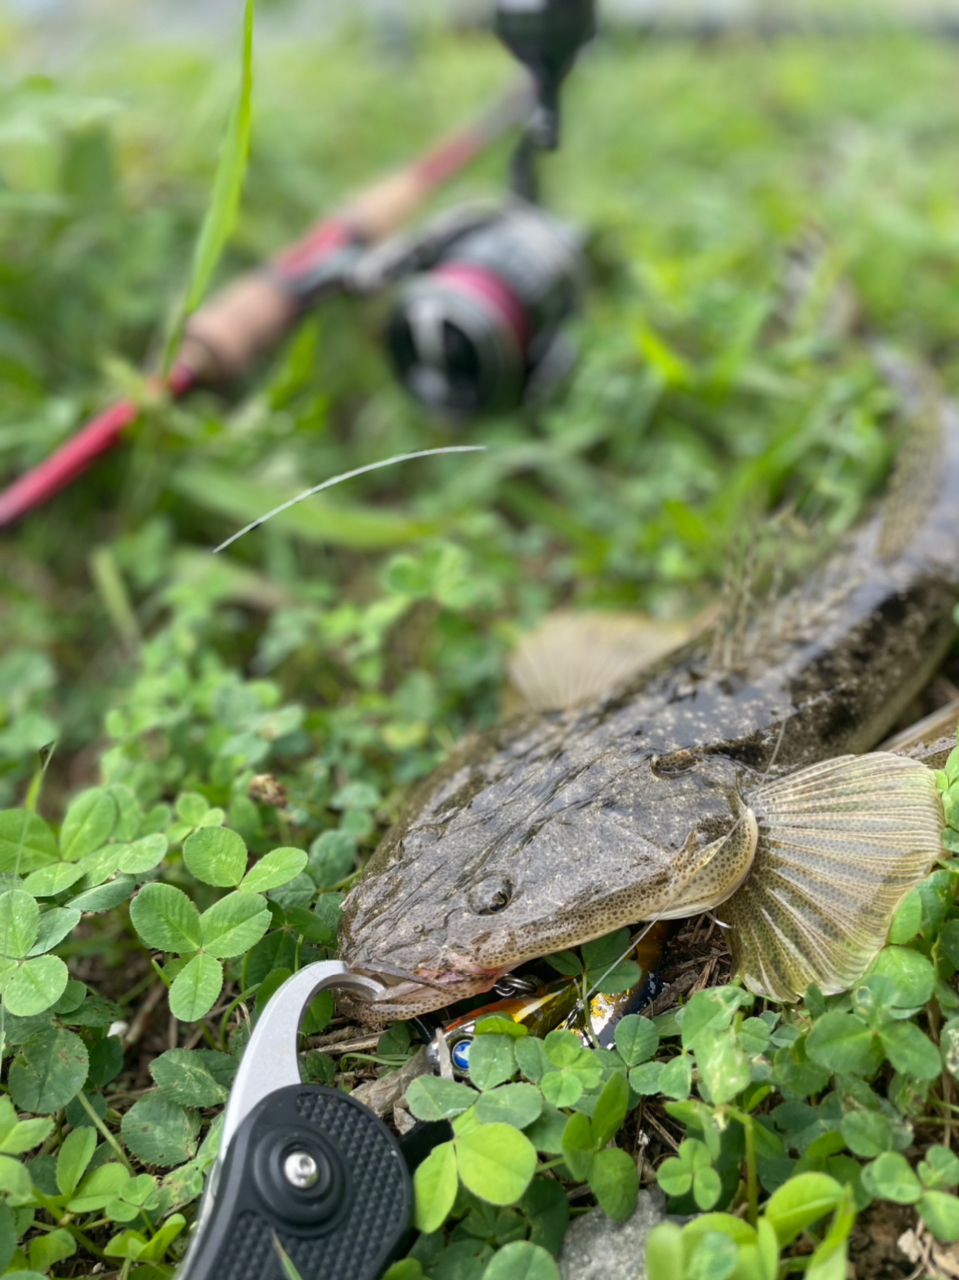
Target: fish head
x: 508, y: 854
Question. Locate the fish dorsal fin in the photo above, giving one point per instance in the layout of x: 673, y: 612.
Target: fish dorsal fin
x: 912, y: 490
x: 932, y: 754
x: 812, y: 297
x: 914, y: 482
x: 840, y: 844
x: 573, y: 658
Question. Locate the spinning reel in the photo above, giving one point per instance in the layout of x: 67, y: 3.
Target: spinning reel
x: 478, y: 328
x: 477, y: 323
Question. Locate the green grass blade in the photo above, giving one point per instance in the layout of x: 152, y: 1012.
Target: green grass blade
x: 225, y: 200
x: 225, y: 197
x: 286, y: 1262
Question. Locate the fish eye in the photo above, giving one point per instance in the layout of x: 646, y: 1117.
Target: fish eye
x: 675, y: 763
x: 490, y: 896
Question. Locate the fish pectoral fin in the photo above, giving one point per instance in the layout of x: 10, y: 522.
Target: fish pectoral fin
x: 840, y: 844
x: 573, y: 658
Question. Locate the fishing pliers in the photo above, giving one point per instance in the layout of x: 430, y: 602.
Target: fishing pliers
x: 303, y: 1170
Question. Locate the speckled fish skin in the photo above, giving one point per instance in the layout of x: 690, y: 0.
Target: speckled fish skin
x: 556, y: 828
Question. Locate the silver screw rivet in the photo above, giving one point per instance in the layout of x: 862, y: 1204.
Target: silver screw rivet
x: 299, y: 1169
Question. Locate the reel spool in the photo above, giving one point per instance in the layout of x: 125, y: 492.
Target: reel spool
x: 470, y: 335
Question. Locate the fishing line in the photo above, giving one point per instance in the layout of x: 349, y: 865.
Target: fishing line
x: 775, y: 754
x: 633, y: 944
x: 348, y: 475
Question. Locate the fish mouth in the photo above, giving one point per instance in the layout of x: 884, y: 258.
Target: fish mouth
x: 406, y: 991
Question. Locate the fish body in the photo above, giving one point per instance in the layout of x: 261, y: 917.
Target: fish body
x: 691, y: 781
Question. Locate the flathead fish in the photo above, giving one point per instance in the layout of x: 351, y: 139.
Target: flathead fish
x: 710, y: 779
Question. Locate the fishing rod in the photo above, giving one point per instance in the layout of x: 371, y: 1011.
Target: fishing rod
x: 477, y: 326
x: 253, y: 313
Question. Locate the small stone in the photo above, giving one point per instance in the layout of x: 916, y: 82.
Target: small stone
x: 382, y: 1094
x: 597, y: 1248
x: 403, y: 1120
x: 267, y: 790
x: 909, y: 1244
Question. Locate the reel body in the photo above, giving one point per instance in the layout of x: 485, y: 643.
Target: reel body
x: 472, y: 333
x: 481, y: 328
